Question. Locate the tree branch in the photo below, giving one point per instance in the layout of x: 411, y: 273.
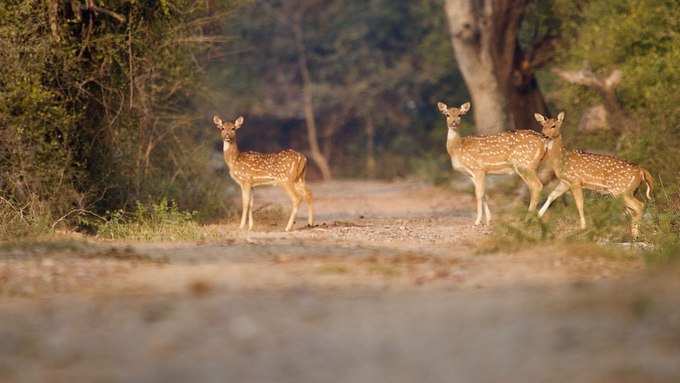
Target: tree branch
x: 542, y: 51
x: 582, y: 77
x: 606, y: 88
x: 116, y: 16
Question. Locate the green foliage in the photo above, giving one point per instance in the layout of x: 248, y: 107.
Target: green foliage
x: 664, y: 237
x: 23, y: 221
x: 157, y: 222
x: 515, y: 233
x: 666, y: 250
x: 606, y: 223
x: 642, y: 39
x: 36, y: 120
x: 99, y: 111
x: 379, y: 60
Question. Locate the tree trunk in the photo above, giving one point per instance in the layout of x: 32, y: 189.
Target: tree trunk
x: 308, y: 105
x: 525, y: 96
x: 498, y: 75
x: 370, y: 147
x: 472, y: 44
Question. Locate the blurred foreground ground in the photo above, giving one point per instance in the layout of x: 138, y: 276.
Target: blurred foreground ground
x: 388, y: 288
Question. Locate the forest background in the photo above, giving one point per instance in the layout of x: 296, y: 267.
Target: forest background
x: 105, y: 106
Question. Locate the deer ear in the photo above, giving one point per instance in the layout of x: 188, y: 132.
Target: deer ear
x: 238, y: 122
x: 442, y: 107
x: 217, y: 121
x: 560, y: 118
x: 539, y: 118
x: 464, y: 108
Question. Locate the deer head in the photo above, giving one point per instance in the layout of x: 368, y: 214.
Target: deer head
x: 227, y: 129
x: 453, y: 114
x: 551, y: 126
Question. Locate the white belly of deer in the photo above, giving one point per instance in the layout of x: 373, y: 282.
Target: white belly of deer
x: 501, y: 170
x: 265, y: 179
x: 598, y: 187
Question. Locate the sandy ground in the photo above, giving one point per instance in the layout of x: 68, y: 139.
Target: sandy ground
x: 387, y: 287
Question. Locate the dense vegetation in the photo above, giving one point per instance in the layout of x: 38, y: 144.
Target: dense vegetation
x: 104, y: 109
x: 641, y: 38
x: 99, y: 108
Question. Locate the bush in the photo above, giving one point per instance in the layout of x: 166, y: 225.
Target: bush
x: 101, y: 111
x: 638, y: 37
x: 161, y: 221
x: 606, y: 223
x: 23, y: 221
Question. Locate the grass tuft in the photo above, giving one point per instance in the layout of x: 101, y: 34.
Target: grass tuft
x: 606, y: 224
x: 152, y: 222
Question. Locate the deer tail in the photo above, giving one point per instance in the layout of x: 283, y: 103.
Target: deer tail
x: 649, y: 180
x: 302, y: 167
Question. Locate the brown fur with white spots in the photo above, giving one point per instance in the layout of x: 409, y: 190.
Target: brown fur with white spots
x: 579, y: 170
x: 249, y: 169
x: 518, y: 152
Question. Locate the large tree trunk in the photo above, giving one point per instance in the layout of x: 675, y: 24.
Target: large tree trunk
x: 525, y: 97
x: 308, y: 105
x: 473, y: 45
x: 498, y: 75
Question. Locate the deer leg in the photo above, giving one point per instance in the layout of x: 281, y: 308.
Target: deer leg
x: 303, y: 190
x: 487, y: 212
x: 245, y: 201
x: 536, y: 186
x: 250, y: 212
x: 478, y: 179
x: 295, y: 199
x: 561, y: 188
x: 577, y: 192
x: 637, y: 207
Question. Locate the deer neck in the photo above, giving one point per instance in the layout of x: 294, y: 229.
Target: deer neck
x: 453, y: 140
x: 230, y: 150
x: 555, y: 152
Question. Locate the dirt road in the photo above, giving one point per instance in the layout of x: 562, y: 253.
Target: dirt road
x: 388, y: 287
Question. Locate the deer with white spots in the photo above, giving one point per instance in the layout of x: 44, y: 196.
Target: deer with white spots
x: 517, y: 152
x: 286, y: 168
x: 579, y: 170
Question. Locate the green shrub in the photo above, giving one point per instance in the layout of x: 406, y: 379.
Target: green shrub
x: 517, y: 230
x: 161, y: 221
x: 666, y: 250
x: 665, y: 238
x: 100, y: 112
x: 605, y: 218
x: 23, y: 221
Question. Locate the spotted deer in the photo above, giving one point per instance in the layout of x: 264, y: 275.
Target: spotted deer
x: 577, y: 170
x: 250, y: 169
x: 517, y: 152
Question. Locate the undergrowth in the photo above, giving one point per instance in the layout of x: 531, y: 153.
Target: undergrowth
x: 23, y: 221
x: 666, y: 240
x: 155, y: 221
x: 607, y: 224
